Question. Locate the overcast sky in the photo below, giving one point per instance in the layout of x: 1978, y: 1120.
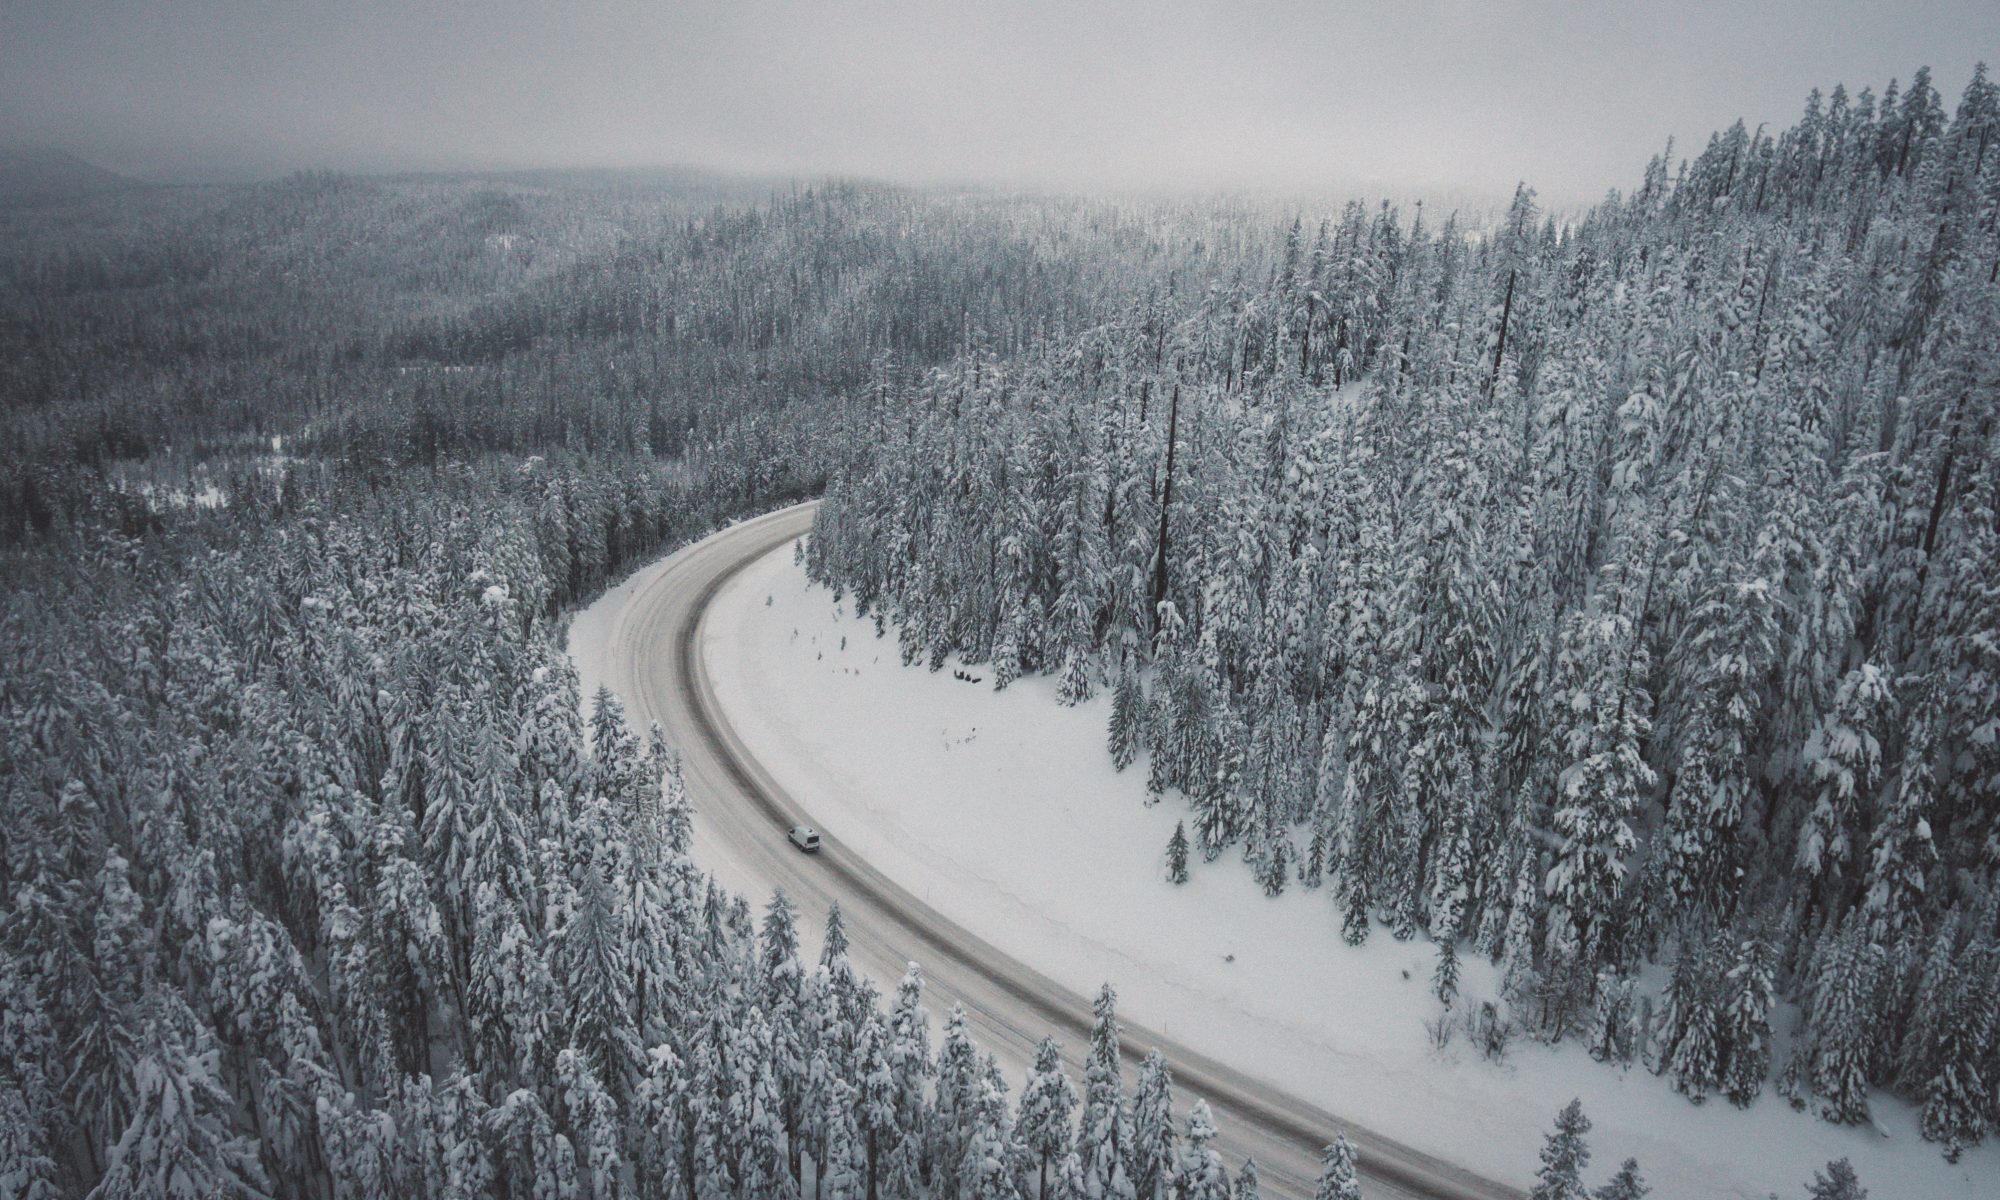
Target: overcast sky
x: 1288, y: 94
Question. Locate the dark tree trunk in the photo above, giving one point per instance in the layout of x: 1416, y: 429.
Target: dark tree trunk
x: 1500, y: 344
x: 1166, y: 507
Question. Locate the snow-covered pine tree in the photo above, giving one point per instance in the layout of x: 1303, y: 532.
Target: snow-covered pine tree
x: 875, y: 1100
x: 593, y: 973
x: 1845, y: 758
x: 25, y: 1165
x: 1609, y: 1035
x: 1155, y: 1142
x: 1839, y: 1042
x: 1958, y: 1101
x: 1246, y: 1181
x: 1201, y: 1175
x: 1565, y: 978
x: 953, y: 1100
x: 1338, y: 1179
x: 593, y: 1126
x: 1625, y: 1185
x: 1837, y: 1182
x: 1177, y: 854
x: 1565, y: 1154
x: 1042, y: 1121
x: 179, y: 1143
x: 1444, y: 977
x: 1104, y: 1135
x: 1749, y: 991
x: 984, y: 1171
x: 1126, y: 706
x: 1608, y: 720
x: 840, y: 1169
x: 1901, y: 851
x: 1690, y: 1046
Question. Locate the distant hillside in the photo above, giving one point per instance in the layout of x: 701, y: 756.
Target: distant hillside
x: 29, y: 176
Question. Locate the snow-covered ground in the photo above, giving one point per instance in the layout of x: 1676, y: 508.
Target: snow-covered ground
x: 1003, y: 811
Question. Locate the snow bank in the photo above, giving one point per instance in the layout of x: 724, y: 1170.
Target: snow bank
x: 1003, y: 811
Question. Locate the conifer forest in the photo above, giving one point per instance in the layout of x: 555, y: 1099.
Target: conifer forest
x: 1609, y: 592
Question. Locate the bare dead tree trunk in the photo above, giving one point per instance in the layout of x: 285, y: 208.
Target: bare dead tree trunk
x: 1500, y: 344
x: 1166, y: 506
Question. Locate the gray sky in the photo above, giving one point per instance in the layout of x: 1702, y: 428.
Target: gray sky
x: 1288, y: 94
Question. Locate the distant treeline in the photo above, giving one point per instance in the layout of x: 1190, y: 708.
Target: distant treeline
x: 415, y: 322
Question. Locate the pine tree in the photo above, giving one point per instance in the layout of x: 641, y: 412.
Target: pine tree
x: 1074, y: 686
x: 875, y: 1100
x: 1177, y: 854
x: 1069, y: 1180
x: 1837, y: 1182
x: 1845, y: 757
x: 1625, y: 1185
x: 1273, y: 867
x: 1155, y: 1142
x: 1609, y: 1037
x: 1337, y: 1174
x: 1202, y: 1175
x: 1042, y: 1122
x: 1444, y: 979
x: 1731, y: 644
x: 1839, y: 1043
x: 594, y: 1124
x: 1957, y: 1104
x: 1126, y: 703
x: 1246, y: 1181
x: 1916, y: 1058
x: 840, y: 1175
x: 1692, y: 1048
x: 1007, y: 646
x: 1104, y: 1135
x: 26, y: 1169
x: 1901, y: 850
x: 592, y: 963
x: 910, y: 1070
x: 1520, y: 980
x: 1598, y: 791
x: 1312, y: 867
x: 1564, y: 977
x: 983, y: 1170
x: 179, y: 1144
x: 676, y: 814
x: 1745, y: 1033
x: 657, y: 1150
x: 1564, y: 1156
x: 956, y: 1096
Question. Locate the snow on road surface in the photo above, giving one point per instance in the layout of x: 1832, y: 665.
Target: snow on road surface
x: 1003, y: 812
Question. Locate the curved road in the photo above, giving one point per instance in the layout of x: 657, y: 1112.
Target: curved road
x: 656, y: 668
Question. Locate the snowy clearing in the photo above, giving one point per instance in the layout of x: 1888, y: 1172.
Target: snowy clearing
x: 1003, y: 811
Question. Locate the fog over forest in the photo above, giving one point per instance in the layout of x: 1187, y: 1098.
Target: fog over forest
x: 1298, y: 95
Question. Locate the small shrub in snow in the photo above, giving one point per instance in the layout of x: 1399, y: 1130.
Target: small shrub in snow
x: 1489, y: 1030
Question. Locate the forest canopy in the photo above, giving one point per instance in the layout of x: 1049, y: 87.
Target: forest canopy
x: 1587, y: 592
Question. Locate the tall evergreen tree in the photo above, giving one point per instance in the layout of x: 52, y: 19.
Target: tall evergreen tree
x: 1565, y: 1154
x: 1043, y: 1119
